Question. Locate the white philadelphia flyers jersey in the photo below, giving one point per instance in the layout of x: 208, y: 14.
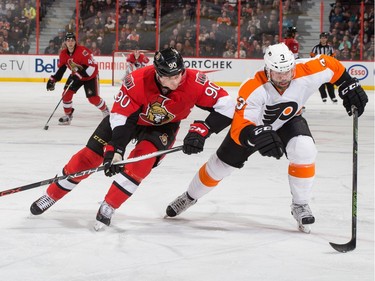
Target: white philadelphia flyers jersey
x: 259, y: 103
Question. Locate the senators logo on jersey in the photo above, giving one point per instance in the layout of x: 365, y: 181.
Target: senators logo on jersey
x: 282, y: 111
x: 156, y: 113
x: 75, y: 67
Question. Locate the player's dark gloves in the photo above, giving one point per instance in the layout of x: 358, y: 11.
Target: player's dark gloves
x: 195, y: 138
x: 112, y: 154
x: 51, y: 84
x: 264, y: 139
x: 353, y: 94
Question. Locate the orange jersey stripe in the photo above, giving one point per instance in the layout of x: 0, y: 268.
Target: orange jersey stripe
x: 205, y: 177
x: 302, y: 170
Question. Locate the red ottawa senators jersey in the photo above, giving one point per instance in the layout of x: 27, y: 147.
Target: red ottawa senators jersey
x: 140, y: 92
x: 142, y: 59
x: 81, y: 61
x: 293, y: 45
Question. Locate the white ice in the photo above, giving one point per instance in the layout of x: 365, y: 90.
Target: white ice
x: 242, y: 230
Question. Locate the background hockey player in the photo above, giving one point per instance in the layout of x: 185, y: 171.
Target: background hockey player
x: 324, y: 49
x: 291, y: 41
x: 84, y: 69
x: 149, y: 108
x: 135, y: 60
x: 268, y: 120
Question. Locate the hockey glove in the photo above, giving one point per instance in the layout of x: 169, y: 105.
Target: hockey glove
x: 51, y: 84
x: 112, y: 154
x: 195, y: 138
x: 264, y: 139
x: 353, y: 94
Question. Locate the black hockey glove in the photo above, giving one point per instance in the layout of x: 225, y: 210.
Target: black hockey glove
x: 195, y: 138
x: 264, y: 139
x: 51, y: 84
x: 353, y: 94
x: 112, y: 154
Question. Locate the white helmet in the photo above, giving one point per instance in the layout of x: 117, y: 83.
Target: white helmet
x: 279, y: 58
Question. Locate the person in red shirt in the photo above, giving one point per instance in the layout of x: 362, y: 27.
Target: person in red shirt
x: 81, y: 62
x: 135, y: 60
x: 291, y: 41
x: 149, y: 107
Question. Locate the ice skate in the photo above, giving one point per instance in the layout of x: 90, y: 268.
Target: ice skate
x: 66, y: 119
x: 179, y: 205
x: 104, y: 215
x: 41, y: 205
x: 303, y: 215
x: 334, y: 100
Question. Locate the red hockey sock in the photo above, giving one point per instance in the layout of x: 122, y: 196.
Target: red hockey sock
x: 83, y: 160
x: 115, y: 197
x: 55, y: 192
x: 136, y: 171
x: 140, y: 170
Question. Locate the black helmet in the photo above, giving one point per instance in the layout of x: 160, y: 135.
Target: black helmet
x: 290, y: 31
x: 324, y: 34
x: 70, y: 35
x: 168, y: 62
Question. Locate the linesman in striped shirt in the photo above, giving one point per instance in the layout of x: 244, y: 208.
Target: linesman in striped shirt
x: 325, y: 49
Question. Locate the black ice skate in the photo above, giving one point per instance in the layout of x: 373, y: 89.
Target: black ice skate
x: 104, y: 215
x: 179, y: 205
x: 41, y: 205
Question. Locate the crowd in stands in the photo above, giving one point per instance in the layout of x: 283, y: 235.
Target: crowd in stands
x: 344, y: 30
x: 219, y: 26
x: 17, y: 22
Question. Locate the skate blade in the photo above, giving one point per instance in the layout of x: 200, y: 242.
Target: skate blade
x: 99, y: 226
x: 304, y: 228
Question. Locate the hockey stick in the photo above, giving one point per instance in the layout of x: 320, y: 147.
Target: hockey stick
x: 53, y: 112
x: 350, y: 246
x: 89, y: 171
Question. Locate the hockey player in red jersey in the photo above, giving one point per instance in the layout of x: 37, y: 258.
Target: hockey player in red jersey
x: 84, y: 69
x: 149, y: 107
x: 135, y: 60
x: 268, y: 119
x: 291, y: 41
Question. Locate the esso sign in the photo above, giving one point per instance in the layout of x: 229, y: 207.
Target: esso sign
x: 359, y: 71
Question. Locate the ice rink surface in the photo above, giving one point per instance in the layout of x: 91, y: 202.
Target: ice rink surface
x: 242, y: 231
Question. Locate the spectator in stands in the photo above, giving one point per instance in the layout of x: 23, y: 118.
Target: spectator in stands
x: 94, y: 49
x: 110, y: 24
x: 23, y: 46
x: 345, y: 43
x: 60, y: 38
x: 71, y: 26
x: 14, y: 36
x: 133, y: 36
x: 354, y: 56
x: 207, y: 50
x: 51, y: 49
x: 29, y: 12
x: 4, y: 46
x: 188, y: 50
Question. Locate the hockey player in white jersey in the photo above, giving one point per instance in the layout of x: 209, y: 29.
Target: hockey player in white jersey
x: 268, y: 119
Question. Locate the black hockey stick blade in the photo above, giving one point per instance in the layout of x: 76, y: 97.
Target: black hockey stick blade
x: 350, y: 246
x: 343, y: 248
x: 88, y: 172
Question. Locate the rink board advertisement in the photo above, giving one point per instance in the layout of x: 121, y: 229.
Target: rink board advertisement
x: 224, y: 72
